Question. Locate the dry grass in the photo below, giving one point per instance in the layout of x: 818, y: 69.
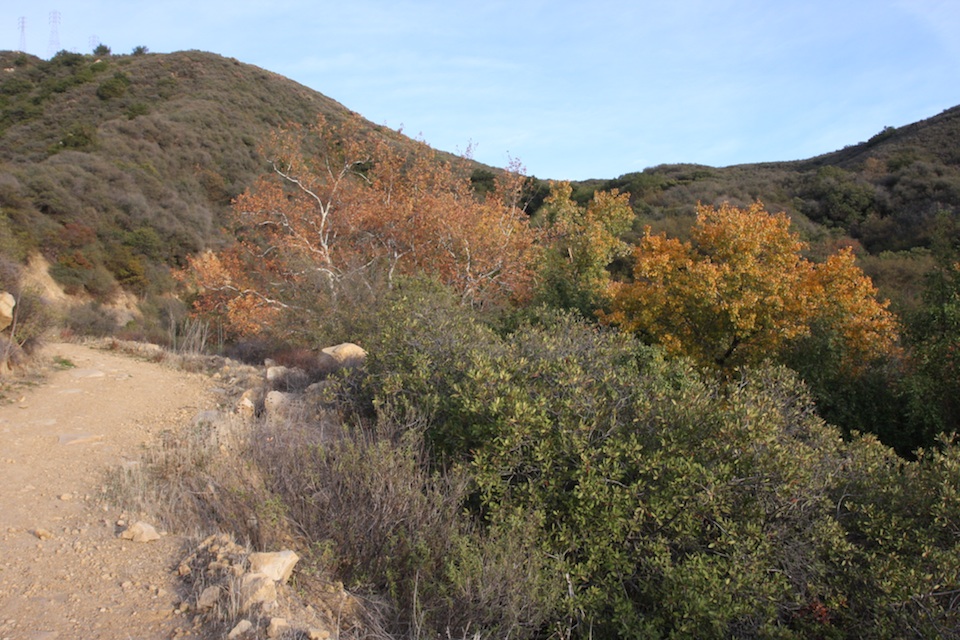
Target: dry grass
x: 358, y: 503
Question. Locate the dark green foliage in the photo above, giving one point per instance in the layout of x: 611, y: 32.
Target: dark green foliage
x: 137, y: 109
x: 934, y: 334
x: 79, y: 137
x: 65, y: 58
x: 535, y: 191
x: 140, y: 50
x: 885, y: 134
x: 101, y: 50
x: 115, y: 87
x: 671, y: 505
x: 837, y: 198
x: 15, y: 85
x: 483, y: 181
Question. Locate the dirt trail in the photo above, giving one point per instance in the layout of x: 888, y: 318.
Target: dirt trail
x: 56, y: 441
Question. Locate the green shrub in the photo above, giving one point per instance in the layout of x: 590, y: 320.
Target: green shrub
x: 673, y: 505
x: 137, y: 109
x: 79, y: 137
x: 115, y: 87
x: 15, y: 85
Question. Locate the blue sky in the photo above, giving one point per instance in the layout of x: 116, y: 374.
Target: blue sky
x: 573, y: 90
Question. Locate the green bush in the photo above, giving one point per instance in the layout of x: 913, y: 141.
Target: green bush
x: 79, y: 137
x: 115, y: 87
x: 672, y: 505
x: 15, y: 85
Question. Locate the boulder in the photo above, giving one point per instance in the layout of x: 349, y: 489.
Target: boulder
x: 342, y: 356
x: 276, y: 402
x: 247, y: 404
x: 208, y: 597
x: 278, y: 565
x: 278, y: 628
x: 7, y: 303
x: 243, y: 628
x: 140, y: 532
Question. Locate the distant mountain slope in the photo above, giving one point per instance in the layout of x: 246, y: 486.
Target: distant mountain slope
x: 115, y: 167
x: 885, y: 192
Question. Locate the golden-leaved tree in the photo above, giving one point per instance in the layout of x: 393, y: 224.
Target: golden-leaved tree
x: 740, y: 292
x: 580, y: 244
x: 343, y: 208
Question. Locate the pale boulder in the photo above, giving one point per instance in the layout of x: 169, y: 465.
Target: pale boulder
x: 278, y: 565
x: 140, y: 532
x: 7, y: 303
x: 247, y: 404
x: 208, y: 597
x: 242, y: 628
x: 278, y: 628
x: 341, y: 356
x: 275, y: 403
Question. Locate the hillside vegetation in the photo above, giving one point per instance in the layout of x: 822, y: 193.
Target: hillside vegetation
x: 118, y: 167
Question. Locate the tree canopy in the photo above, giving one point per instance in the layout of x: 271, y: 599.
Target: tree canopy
x: 741, y: 291
x: 342, y: 208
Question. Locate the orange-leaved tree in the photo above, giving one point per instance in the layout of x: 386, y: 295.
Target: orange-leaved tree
x: 740, y: 292
x: 343, y: 207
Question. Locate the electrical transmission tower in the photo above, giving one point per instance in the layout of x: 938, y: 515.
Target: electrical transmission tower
x: 54, y: 45
x: 22, y: 23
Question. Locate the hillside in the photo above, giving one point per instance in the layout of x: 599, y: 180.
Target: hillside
x: 894, y: 197
x: 118, y: 167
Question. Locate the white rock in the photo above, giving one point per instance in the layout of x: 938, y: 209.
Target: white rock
x: 247, y: 404
x: 276, y: 373
x: 7, y: 303
x: 278, y: 565
x: 347, y: 354
x: 140, y: 532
